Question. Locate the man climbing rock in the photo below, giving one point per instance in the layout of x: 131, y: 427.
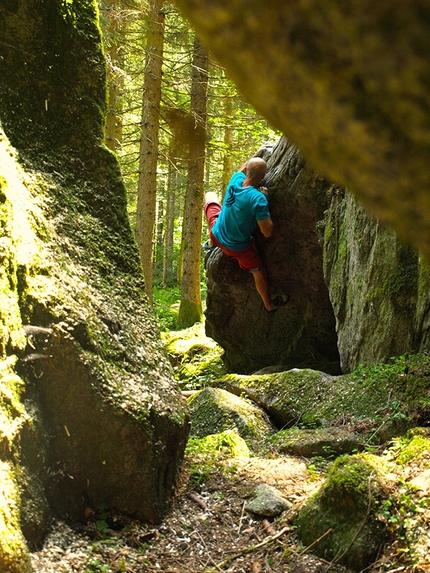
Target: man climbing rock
x: 231, y: 225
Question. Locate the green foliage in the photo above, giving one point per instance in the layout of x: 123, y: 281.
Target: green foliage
x: 408, y: 376
x: 235, y: 131
x: 399, y: 510
x: 200, y: 368
x: 371, y: 374
x: 318, y: 466
x: 95, y: 566
x: 166, y: 306
x: 413, y: 447
x: 103, y: 514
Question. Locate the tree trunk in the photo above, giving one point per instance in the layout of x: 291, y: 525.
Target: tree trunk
x: 190, y: 310
x: 228, y: 142
x: 147, y: 185
x: 169, y: 229
x: 115, y: 31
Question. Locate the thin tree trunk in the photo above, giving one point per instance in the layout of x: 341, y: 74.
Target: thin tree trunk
x: 190, y: 310
x: 169, y: 229
x: 228, y: 143
x: 116, y: 31
x: 147, y: 185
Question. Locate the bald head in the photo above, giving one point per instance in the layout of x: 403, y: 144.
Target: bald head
x: 255, y: 170
x: 256, y: 167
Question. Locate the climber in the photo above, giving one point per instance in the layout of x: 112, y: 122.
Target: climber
x: 231, y: 225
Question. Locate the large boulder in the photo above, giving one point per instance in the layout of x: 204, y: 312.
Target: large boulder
x: 90, y: 411
x: 379, y: 287
x: 347, y: 83
x: 303, y: 332
x: 377, y: 404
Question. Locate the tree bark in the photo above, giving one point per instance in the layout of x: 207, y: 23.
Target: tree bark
x: 169, y: 229
x: 147, y: 185
x: 190, y: 310
x: 115, y: 30
x: 228, y: 142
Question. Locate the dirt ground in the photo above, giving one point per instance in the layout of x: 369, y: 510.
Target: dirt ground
x: 207, y: 530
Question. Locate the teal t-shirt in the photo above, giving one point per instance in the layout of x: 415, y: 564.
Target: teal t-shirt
x: 242, y: 208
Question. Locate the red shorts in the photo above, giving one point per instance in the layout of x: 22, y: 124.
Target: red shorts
x: 248, y: 259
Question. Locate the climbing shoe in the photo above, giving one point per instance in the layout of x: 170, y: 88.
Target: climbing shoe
x: 278, y: 301
x: 207, y: 247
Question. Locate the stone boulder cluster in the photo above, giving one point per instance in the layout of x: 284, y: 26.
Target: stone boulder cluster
x: 89, y: 409
x: 314, y: 416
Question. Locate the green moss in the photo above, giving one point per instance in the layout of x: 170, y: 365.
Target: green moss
x: 414, y: 447
x: 214, y: 410
x: 227, y: 444
x: 14, y: 555
x: 16, y: 235
x: 214, y: 452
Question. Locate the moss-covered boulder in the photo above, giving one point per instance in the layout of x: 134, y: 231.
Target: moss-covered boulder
x: 378, y: 403
x: 307, y: 397
x: 325, y: 442
x: 408, y: 509
x: 214, y: 410
x: 209, y: 449
x: 84, y: 346
x: 379, y: 287
x: 93, y: 414
x: 345, y: 513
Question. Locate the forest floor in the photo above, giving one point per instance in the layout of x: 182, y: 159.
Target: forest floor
x: 207, y: 529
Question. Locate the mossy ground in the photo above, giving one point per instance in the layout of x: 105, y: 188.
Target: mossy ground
x: 196, y: 358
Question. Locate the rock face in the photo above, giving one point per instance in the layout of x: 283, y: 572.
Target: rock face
x: 303, y: 332
x: 348, y: 84
x: 267, y: 501
x: 325, y: 442
x: 379, y: 287
x: 89, y: 409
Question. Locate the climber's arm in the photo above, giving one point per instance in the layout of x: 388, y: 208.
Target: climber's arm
x: 266, y: 227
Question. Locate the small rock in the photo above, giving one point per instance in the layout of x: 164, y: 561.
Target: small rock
x: 267, y: 502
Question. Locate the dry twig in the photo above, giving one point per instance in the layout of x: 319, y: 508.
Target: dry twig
x: 253, y: 548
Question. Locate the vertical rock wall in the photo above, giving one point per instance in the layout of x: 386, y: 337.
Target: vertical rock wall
x: 303, y: 332
x: 378, y: 286
x: 97, y: 416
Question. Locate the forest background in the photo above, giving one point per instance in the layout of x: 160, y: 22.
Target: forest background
x: 179, y: 129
